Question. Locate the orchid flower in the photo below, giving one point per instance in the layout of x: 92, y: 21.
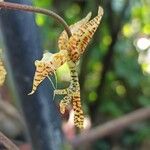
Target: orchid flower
x: 71, y: 50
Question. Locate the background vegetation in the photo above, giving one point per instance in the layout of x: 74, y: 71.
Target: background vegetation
x: 114, y: 70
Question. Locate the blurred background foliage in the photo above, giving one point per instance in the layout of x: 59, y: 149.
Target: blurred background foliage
x: 114, y: 71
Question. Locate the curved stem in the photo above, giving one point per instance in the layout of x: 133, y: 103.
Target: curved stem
x: 14, y: 6
x: 7, y: 143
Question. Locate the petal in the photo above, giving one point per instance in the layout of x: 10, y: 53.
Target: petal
x: 2, y: 73
x: 42, y: 71
x: 2, y: 70
x: 63, y: 39
x: 44, y: 67
x: 80, y: 39
x: 64, y: 103
x: 47, y: 66
x: 78, y: 112
x: 60, y: 58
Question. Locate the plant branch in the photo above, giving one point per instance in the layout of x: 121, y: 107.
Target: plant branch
x: 14, y: 6
x: 111, y: 127
x: 5, y: 143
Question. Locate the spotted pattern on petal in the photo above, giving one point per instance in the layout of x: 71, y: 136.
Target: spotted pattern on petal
x: 71, y: 49
x: 2, y: 73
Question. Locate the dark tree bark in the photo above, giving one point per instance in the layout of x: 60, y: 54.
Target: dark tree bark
x: 115, y: 27
x: 22, y: 49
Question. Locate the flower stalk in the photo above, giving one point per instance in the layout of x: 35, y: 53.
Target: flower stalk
x: 15, y: 6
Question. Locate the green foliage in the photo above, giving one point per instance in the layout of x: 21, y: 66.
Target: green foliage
x: 126, y: 86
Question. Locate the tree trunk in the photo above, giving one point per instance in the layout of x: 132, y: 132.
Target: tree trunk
x: 22, y: 49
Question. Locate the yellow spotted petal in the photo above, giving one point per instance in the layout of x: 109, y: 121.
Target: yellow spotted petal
x: 64, y: 103
x: 78, y: 112
x: 2, y: 70
x: 60, y: 58
x: 63, y: 39
x: 47, y: 66
x: 42, y: 71
x: 80, y: 39
x: 44, y: 67
x: 2, y: 73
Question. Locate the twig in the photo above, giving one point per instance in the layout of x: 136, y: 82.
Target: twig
x: 14, y: 6
x: 111, y: 127
x: 6, y: 143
